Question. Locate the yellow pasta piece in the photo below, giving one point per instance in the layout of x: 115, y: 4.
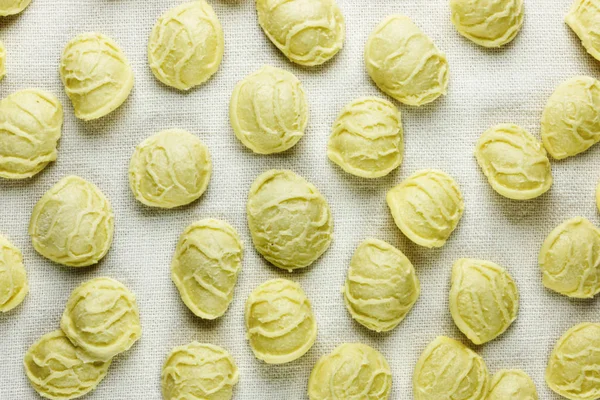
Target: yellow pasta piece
x: 512, y: 384
x: 484, y: 299
x: 58, y: 370
x: 352, y: 371
x: 199, y: 371
x: 427, y: 207
x: 289, y: 219
x: 583, y: 18
x: 308, y: 32
x: 405, y: 63
x: 73, y: 223
x: 280, y: 323
x: 170, y: 169
x: 489, y: 23
x: 571, y: 118
x: 12, y: 7
x: 96, y: 75
x: 514, y: 162
x: 569, y: 259
x: 448, y: 370
x: 268, y: 110
x: 367, y: 138
x: 13, y: 278
x: 186, y: 45
x: 205, y: 266
x: 574, y: 363
x: 381, y: 287
x: 102, y: 318
x: 30, y: 127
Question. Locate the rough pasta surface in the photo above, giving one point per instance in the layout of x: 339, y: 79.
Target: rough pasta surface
x: 289, y: 220
x: 489, y: 23
x: 199, y: 371
x: 584, y: 19
x: 367, y: 138
x: 570, y: 259
x: 435, y: 378
x: 12, y: 7
x: 575, y: 363
x: 484, y: 299
x: 268, y: 110
x: 280, y: 323
x: 73, y: 223
x: 186, y: 45
x: 58, y: 370
x: 352, y: 371
x: 205, y: 266
x: 405, y: 63
x: 308, y: 32
x: 571, y: 118
x: 96, y: 75
x: 13, y: 278
x: 381, y: 287
x: 427, y: 207
x: 102, y: 318
x: 30, y: 127
x: 514, y: 162
x: 512, y: 385
x: 170, y: 169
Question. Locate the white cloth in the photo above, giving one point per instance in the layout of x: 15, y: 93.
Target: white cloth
x: 486, y: 87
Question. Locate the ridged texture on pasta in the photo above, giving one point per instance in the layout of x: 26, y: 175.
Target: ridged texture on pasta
x: 489, y: 23
x: 186, y: 45
x: 268, y: 110
x: 405, y: 63
x: 514, y: 162
x: 199, y: 371
x: 571, y: 118
x: 570, y: 259
x: 57, y: 370
x: 381, y: 287
x: 308, y: 32
x: 426, y: 207
x: 170, y: 169
x: 484, y: 299
x: 12, y: 7
x: 96, y: 75
x: 102, y: 318
x: 584, y: 19
x: 352, y: 371
x: 574, y: 364
x: 13, y: 278
x: 367, y: 138
x: 30, y: 127
x: 449, y: 370
x: 280, y: 324
x: 512, y: 385
x: 289, y: 219
x: 205, y: 266
x: 73, y: 223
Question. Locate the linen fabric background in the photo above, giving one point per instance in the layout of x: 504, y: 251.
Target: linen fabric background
x: 487, y: 87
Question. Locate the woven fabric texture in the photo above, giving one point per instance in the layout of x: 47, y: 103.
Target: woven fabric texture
x: 487, y: 87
